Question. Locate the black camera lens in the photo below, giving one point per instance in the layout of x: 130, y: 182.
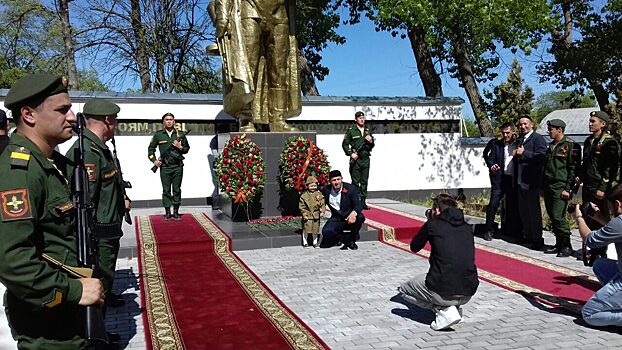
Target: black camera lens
x: 571, y: 208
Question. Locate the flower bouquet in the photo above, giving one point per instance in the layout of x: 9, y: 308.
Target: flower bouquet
x: 300, y: 159
x: 240, y: 170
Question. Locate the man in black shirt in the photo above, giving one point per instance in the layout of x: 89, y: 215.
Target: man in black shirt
x: 452, y: 278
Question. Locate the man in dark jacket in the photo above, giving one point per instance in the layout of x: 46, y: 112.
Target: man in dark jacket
x: 497, y: 155
x: 529, y: 160
x: 452, y: 278
x: 346, y: 213
x: 4, y: 138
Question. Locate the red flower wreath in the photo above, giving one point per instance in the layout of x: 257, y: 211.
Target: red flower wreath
x: 240, y: 169
x: 300, y: 159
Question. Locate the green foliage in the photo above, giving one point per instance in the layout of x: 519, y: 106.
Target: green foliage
x: 316, y: 25
x: 470, y: 129
x: 555, y: 100
x: 510, y: 100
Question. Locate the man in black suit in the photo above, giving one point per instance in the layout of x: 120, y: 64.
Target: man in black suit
x: 497, y: 155
x: 4, y: 138
x: 346, y: 213
x: 529, y: 158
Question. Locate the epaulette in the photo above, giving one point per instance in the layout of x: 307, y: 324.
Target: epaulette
x: 20, y: 158
x: 94, y: 148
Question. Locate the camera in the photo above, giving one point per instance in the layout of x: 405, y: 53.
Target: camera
x: 585, y: 208
x: 429, y: 214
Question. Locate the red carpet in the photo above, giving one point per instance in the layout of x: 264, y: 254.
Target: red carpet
x: 570, y: 288
x: 199, y: 295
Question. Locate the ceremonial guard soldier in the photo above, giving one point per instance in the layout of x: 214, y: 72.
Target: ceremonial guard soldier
x: 171, y: 163
x: 105, y: 187
x: 599, y: 171
x: 38, y: 231
x: 357, y: 144
x: 563, y: 160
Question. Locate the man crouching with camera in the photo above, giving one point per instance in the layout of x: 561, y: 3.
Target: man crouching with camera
x: 451, y: 280
x: 605, y: 307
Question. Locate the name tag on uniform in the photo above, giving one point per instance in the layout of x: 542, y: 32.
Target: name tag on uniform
x: 162, y: 142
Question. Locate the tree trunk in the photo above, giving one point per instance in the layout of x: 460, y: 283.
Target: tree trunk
x: 307, y: 81
x: 142, y: 61
x: 72, y: 70
x: 602, y: 97
x: 427, y: 72
x: 467, y: 77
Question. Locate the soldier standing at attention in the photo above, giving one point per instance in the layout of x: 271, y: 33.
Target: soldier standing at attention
x: 563, y: 160
x: 599, y: 172
x: 172, y: 166
x: 42, y: 301
x: 357, y: 144
x: 105, y: 189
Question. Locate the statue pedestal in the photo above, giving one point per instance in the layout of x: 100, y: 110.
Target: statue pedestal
x: 274, y: 201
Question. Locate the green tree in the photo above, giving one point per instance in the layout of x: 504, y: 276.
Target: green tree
x: 470, y: 129
x: 466, y: 34
x: 510, y: 99
x: 556, y: 100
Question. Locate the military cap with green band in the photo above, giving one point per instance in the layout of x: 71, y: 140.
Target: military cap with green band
x: 600, y: 114
x: 34, y: 88
x: 98, y: 107
x: 556, y: 123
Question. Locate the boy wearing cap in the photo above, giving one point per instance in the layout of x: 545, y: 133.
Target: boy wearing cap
x: 105, y: 186
x: 563, y: 160
x: 42, y: 300
x: 357, y: 144
x: 599, y: 171
x: 346, y: 213
x: 311, y: 206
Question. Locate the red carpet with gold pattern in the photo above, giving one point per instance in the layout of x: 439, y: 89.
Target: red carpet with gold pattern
x: 197, y: 294
x: 549, y: 283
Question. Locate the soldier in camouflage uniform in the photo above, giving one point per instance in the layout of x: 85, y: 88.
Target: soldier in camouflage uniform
x: 172, y: 167
x: 599, y: 172
x: 38, y: 230
x: 563, y: 160
x: 357, y: 144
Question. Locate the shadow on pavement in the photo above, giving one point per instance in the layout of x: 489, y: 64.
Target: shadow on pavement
x: 413, y: 312
x: 121, y: 320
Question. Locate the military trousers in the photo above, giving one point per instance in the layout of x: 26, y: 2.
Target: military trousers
x: 108, y: 253
x: 556, y: 209
x: 171, y: 177
x: 359, y: 172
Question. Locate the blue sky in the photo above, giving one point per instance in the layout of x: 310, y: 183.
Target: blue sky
x: 374, y: 63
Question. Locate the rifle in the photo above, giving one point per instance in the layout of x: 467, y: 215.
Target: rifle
x: 124, y: 184
x: 360, y: 148
x: 169, y: 150
x: 95, y: 330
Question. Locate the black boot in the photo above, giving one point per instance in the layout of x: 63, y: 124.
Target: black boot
x: 176, y: 215
x: 167, y: 214
x: 365, y: 207
x: 565, y: 248
x: 556, y: 248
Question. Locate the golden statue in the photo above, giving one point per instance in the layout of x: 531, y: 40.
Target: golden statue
x: 260, y: 61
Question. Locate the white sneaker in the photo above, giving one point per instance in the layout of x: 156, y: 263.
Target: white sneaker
x: 445, y: 318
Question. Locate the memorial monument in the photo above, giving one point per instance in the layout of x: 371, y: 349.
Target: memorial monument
x: 257, y: 43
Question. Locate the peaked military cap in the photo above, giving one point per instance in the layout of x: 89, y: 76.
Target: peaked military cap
x: 34, y: 87
x: 556, y: 123
x: 602, y: 115
x: 311, y: 180
x: 99, y: 107
x: 359, y: 114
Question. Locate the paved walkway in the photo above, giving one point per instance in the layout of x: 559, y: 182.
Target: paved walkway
x: 349, y: 299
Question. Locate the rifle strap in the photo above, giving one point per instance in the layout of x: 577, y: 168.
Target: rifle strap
x: 79, y: 272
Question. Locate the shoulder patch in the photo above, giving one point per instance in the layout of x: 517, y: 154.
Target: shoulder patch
x: 20, y: 157
x: 55, y: 299
x: 15, y: 205
x: 91, y: 171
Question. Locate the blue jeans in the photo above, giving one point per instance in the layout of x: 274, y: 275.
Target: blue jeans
x: 605, y: 307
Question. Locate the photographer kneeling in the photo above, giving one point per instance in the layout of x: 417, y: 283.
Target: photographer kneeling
x: 452, y: 277
x: 605, y: 307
